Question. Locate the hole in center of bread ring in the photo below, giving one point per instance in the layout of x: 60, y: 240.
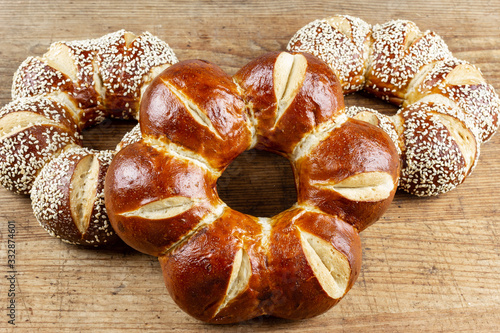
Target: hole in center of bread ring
x: 258, y: 183
x: 107, y: 134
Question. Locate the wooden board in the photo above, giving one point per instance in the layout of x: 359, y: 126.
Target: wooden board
x: 428, y: 265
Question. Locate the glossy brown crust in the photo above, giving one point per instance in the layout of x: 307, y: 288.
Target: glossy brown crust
x: 208, y: 88
x: 319, y: 99
x: 296, y: 292
x: 197, y: 272
x: 140, y: 174
x: 353, y: 148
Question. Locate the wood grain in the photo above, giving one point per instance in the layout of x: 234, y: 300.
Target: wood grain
x: 428, y: 265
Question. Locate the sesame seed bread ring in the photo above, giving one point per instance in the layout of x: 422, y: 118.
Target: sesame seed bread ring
x: 448, y: 108
x: 55, y: 97
x: 222, y: 266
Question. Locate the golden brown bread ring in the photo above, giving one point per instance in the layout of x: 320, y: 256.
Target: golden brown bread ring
x: 72, y: 86
x: 403, y: 65
x: 222, y: 266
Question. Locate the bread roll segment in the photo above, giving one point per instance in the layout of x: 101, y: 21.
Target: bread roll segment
x: 155, y: 198
x: 343, y: 42
x: 398, y: 53
x: 451, y: 149
x: 314, y: 259
x: 68, y: 197
x: 352, y: 152
x: 32, y: 132
x: 289, y: 95
x: 461, y: 85
x: 197, y: 106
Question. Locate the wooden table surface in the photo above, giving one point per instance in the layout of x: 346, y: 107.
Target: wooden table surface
x: 429, y: 264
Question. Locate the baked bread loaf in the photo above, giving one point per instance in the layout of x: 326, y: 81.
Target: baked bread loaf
x: 222, y: 266
x: 55, y: 97
x: 448, y: 109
